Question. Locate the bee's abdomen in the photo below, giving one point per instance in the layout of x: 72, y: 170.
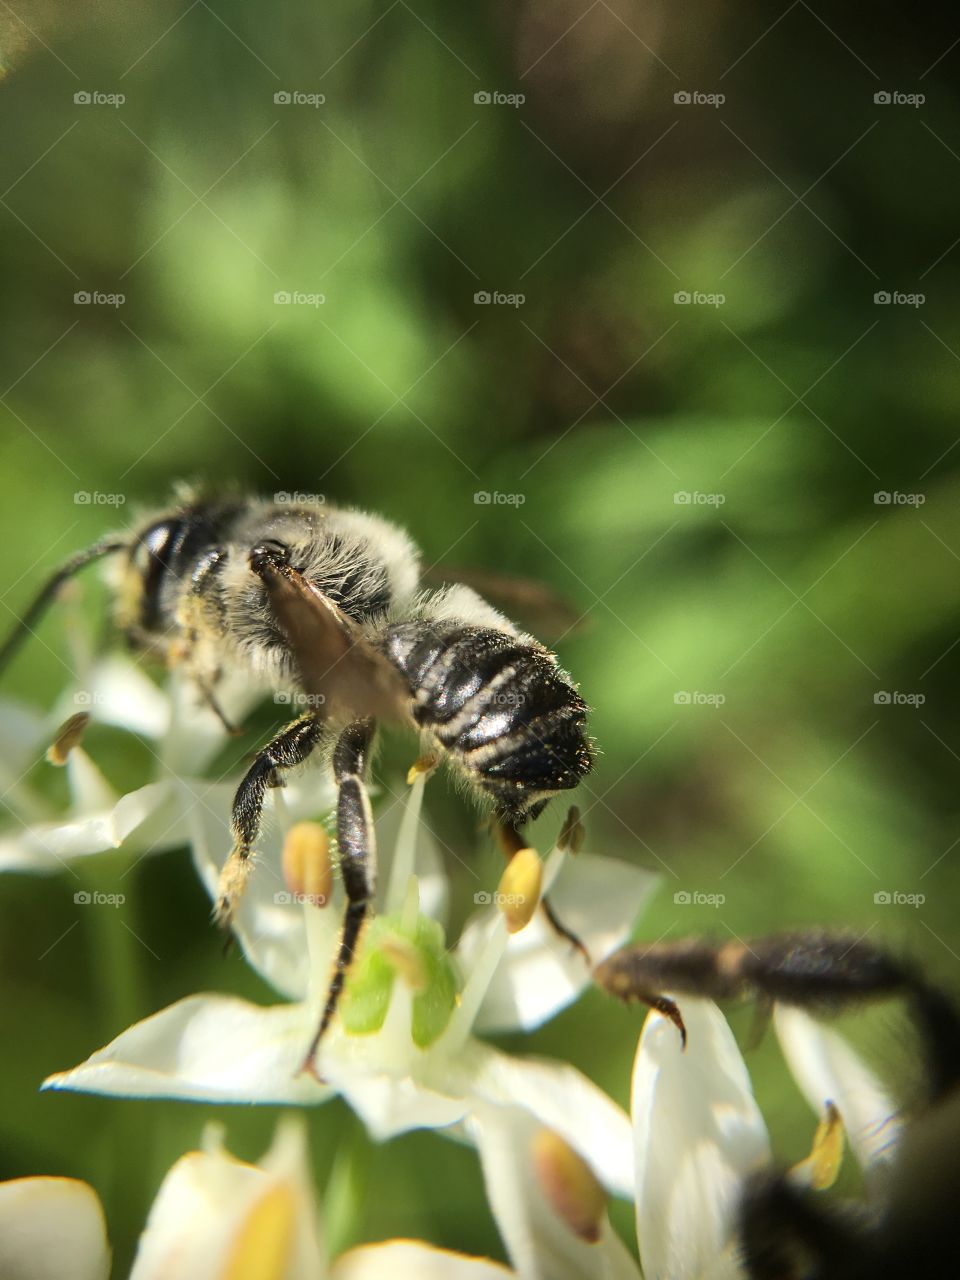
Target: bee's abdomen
x: 501, y: 707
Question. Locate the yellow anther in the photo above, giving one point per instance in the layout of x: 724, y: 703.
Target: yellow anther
x: 263, y: 1247
x: 821, y: 1167
x: 306, y: 863
x: 569, y: 1185
x: 518, y: 893
x: 68, y: 737
x: 424, y: 766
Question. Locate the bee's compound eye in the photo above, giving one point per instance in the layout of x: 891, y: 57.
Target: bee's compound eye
x: 270, y: 551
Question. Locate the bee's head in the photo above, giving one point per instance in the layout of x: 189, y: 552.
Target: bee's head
x: 152, y: 553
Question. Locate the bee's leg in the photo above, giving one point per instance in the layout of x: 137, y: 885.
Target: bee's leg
x: 783, y: 1231
x: 357, y: 850
x: 290, y: 747
x: 511, y: 841
x: 210, y: 698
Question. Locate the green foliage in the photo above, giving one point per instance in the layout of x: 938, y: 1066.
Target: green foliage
x: 798, y: 599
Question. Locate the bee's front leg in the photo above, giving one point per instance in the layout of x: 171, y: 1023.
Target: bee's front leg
x: 357, y: 849
x: 292, y: 745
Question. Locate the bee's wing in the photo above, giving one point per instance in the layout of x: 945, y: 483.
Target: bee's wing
x: 338, y: 665
x: 536, y: 606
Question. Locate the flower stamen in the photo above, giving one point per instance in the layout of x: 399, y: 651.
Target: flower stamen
x: 306, y: 863
x: 568, y: 1184
x: 518, y: 893
x: 820, y: 1169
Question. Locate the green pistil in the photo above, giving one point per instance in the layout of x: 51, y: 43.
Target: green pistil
x: 417, y: 955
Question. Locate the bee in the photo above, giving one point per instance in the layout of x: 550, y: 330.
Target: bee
x: 328, y: 604
x: 785, y: 1231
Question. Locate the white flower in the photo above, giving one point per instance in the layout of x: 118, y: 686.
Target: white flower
x: 416, y: 1063
x: 52, y: 1229
x: 213, y: 1216
x: 182, y: 734
x: 402, y: 1058
x: 698, y: 1133
x: 537, y: 975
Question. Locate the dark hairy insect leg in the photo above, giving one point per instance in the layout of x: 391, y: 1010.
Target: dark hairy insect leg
x: 511, y: 841
x: 642, y: 995
x: 357, y: 849
x: 813, y: 969
x: 210, y: 698
x: 785, y: 1230
x: 292, y: 745
x: 786, y: 1234
x: 48, y: 592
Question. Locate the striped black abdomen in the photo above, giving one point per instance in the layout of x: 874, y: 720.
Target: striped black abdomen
x: 501, y: 707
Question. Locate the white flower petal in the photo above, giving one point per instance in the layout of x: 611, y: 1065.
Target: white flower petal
x: 90, y: 792
x: 206, y: 1048
x: 196, y: 733
x: 410, y: 1260
x: 196, y: 1214
x: 389, y: 1105
x: 828, y: 1070
x: 119, y: 692
x: 52, y: 1228
x: 698, y: 1131
x: 45, y: 847
x: 24, y: 736
x: 540, y: 1243
x: 597, y: 898
x: 21, y: 733
x: 206, y: 1210
x: 568, y: 1103
x: 269, y: 927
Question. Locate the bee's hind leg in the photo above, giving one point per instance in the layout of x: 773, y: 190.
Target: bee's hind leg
x: 291, y: 746
x: 357, y: 850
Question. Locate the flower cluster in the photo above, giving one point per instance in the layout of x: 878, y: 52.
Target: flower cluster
x: 405, y: 1050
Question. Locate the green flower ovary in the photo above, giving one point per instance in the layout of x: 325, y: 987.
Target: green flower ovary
x: 372, y: 977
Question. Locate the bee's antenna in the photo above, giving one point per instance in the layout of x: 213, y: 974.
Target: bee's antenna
x: 49, y: 590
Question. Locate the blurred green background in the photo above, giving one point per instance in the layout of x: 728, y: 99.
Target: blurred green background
x: 780, y: 400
